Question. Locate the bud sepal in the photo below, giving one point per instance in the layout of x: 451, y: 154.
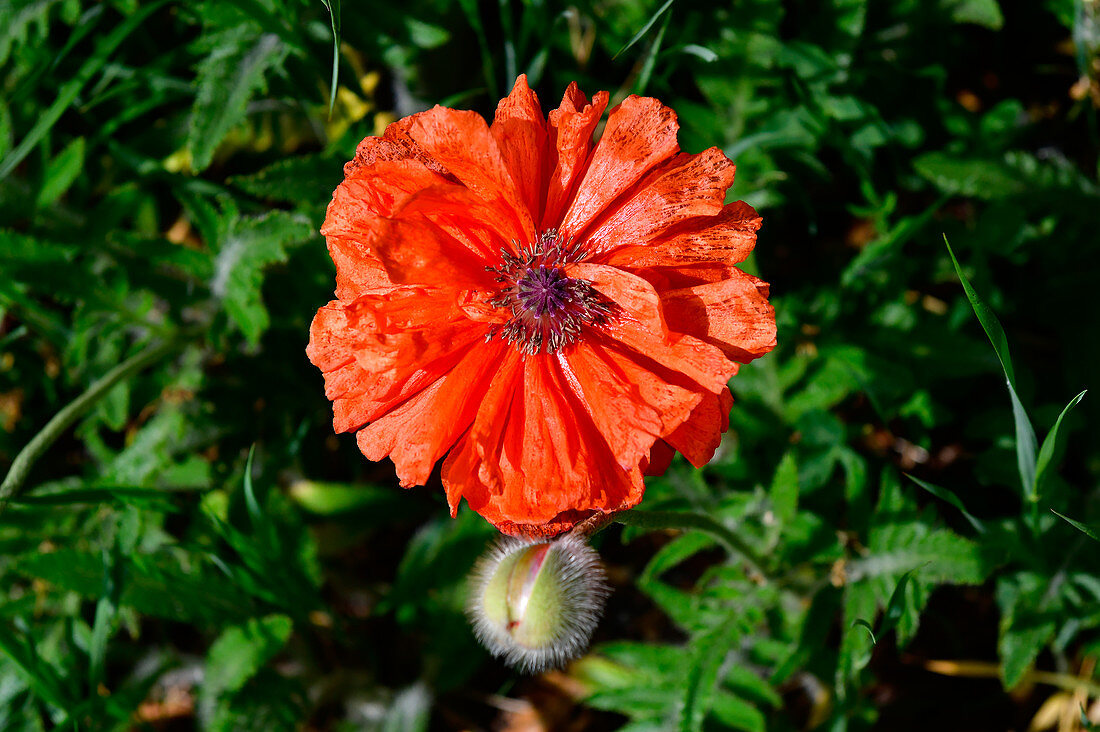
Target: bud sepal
x: 535, y: 604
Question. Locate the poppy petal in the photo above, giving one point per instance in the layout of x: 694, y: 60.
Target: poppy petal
x: 733, y: 314
x: 699, y: 437
x: 444, y: 236
x: 418, y: 432
x: 640, y: 134
x: 549, y: 455
x: 380, y: 350
x: 640, y: 325
x: 357, y: 214
x: 692, y: 186
x: 632, y: 400
x: 462, y: 143
x: 520, y: 132
x: 571, y: 128
x: 726, y: 238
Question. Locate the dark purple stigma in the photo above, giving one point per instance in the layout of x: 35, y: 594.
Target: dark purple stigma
x: 544, y: 290
x: 549, y: 309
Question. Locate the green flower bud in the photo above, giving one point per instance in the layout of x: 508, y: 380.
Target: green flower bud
x: 535, y: 604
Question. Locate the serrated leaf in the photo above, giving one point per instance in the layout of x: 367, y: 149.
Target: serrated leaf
x: 308, y: 178
x: 226, y: 80
x: 240, y: 652
x: 1025, y: 433
x: 1020, y: 645
x: 708, y: 651
x: 974, y: 177
x: 247, y: 248
x: 937, y: 554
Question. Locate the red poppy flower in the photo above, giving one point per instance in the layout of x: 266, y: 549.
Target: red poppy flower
x: 554, y: 315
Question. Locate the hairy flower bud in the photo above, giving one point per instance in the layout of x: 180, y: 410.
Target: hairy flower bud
x: 536, y: 604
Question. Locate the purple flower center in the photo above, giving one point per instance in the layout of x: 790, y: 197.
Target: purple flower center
x: 550, y: 310
x: 544, y: 290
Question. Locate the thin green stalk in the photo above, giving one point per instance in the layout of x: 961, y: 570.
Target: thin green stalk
x: 700, y: 522
x: 72, y: 411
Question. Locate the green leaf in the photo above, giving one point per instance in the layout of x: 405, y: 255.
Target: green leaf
x: 737, y: 713
x: 645, y: 28
x: 972, y: 177
x: 69, y: 92
x: 308, y: 178
x: 945, y: 495
x: 1025, y: 433
x: 235, y: 69
x: 333, y: 7
x: 61, y: 172
x: 1051, y: 445
x: 176, y: 586
x: 784, y: 489
x: 105, y: 612
x: 246, y: 249
x: 985, y: 13
x: 708, y: 651
x: 1086, y: 530
x: 41, y: 676
x: 1020, y: 645
x: 937, y: 554
x: 895, y: 608
x: 241, y: 651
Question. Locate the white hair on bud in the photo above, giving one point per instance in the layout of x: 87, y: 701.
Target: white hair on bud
x: 584, y: 591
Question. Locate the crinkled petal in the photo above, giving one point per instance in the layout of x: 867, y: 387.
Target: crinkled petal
x: 640, y: 134
x: 541, y: 454
x: 357, y: 216
x: 519, y: 129
x: 571, y: 128
x: 444, y: 236
x: 726, y: 238
x: 701, y: 434
x: 633, y: 400
x: 416, y: 433
x: 385, y: 347
x: 639, y: 324
x: 462, y: 143
x: 687, y: 187
x: 733, y: 314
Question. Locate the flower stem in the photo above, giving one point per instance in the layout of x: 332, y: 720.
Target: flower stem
x: 677, y: 520
x: 72, y: 411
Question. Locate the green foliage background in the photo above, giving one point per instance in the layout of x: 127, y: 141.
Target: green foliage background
x: 164, y: 168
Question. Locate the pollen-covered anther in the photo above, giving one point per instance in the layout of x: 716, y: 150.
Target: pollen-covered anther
x: 549, y: 309
x: 535, y: 605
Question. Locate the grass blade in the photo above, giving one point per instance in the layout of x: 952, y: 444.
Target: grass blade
x: 945, y: 495
x: 1086, y: 530
x: 69, y: 91
x: 1025, y: 433
x: 645, y: 28
x: 333, y: 7
x: 1051, y: 444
